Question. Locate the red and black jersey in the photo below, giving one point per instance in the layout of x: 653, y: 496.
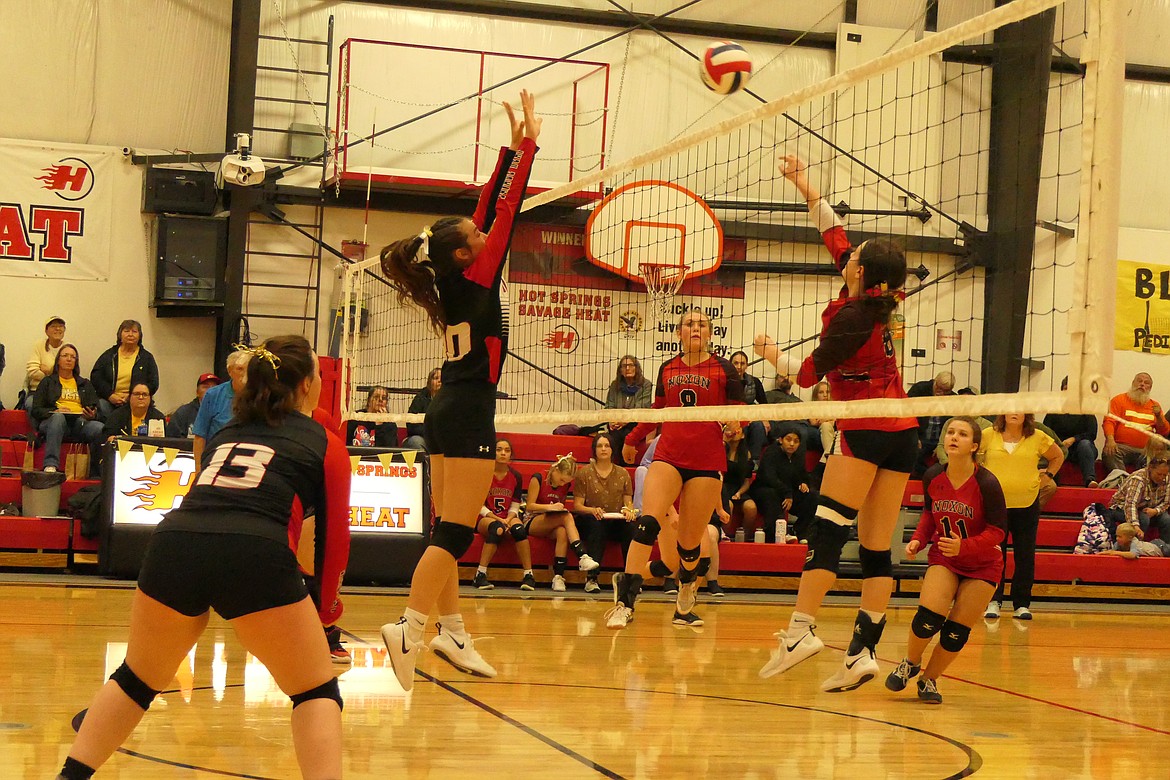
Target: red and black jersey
x: 506, y: 492
x: 476, y: 335
x: 547, y: 494
x: 692, y: 445
x: 261, y: 480
x: 975, y: 510
x: 856, y: 352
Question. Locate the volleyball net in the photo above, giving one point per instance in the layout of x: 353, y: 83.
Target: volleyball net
x: 911, y: 138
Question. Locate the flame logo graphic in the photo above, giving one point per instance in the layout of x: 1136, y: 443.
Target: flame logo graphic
x: 160, y: 490
x: 68, y: 182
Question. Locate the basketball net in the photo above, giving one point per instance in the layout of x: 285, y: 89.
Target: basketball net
x: 662, y: 281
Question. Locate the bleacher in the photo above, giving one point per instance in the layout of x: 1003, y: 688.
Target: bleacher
x: 37, y: 542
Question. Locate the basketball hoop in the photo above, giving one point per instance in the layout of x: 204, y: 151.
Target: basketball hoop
x: 662, y: 281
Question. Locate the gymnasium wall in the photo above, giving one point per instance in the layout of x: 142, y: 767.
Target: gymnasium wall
x: 153, y: 77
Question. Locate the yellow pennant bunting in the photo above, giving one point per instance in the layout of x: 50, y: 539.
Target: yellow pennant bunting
x: 386, y: 458
x: 124, y: 447
x: 409, y: 457
x: 354, y: 460
x: 148, y: 451
x: 169, y: 454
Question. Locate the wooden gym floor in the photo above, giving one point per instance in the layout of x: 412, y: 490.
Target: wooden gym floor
x: 1074, y: 694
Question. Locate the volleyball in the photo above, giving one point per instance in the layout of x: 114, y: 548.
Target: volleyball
x: 725, y: 67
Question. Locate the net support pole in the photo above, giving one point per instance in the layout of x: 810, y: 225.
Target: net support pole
x: 1091, y: 344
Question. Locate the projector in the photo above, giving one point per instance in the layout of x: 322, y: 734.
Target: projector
x: 241, y: 167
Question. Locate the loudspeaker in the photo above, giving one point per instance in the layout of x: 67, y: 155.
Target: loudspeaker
x: 179, y: 191
x: 190, y: 258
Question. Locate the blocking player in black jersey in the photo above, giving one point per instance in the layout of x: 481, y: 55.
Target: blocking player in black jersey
x: 453, y: 270
x: 964, y: 520
x: 688, y: 464
x: 227, y: 548
x: 872, y: 457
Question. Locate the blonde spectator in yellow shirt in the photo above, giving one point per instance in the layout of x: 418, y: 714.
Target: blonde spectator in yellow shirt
x: 1011, y: 450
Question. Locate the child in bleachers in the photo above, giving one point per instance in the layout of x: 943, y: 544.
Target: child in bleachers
x: 1129, y: 546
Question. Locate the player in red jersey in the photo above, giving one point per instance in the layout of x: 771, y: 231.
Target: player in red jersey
x: 454, y: 270
x: 871, y: 458
x: 688, y: 464
x: 964, y: 519
x: 227, y: 548
x: 500, y: 517
x: 547, y: 517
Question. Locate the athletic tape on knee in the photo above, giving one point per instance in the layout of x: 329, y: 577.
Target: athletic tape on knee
x: 132, y: 685
x: 825, y: 546
x: 875, y: 563
x: 326, y: 690
x: 647, y: 530
x: 834, y: 511
x: 954, y: 636
x: 495, y: 531
x: 519, y: 532
x: 453, y: 538
x: 926, y: 623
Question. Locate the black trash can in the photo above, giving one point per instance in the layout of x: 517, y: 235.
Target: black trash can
x: 41, y: 493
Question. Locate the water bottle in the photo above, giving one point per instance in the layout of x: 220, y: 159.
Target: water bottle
x: 781, y: 530
x: 758, y: 537
x: 739, y: 534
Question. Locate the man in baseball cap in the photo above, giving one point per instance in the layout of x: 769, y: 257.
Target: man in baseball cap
x: 179, y: 424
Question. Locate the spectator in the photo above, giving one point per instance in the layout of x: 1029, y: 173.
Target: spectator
x: 179, y: 426
x: 363, y: 433
x: 783, y: 392
x: 1130, y: 545
x: 630, y: 389
x: 603, y: 499
x: 756, y: 433
x: 547, y: 517
x: 930, y: 428
x: 1123, y: 444
x: 43, y: 358
x: 1011, y: 450
x: 500, y: 517
x: 422, y: 400
x: 133, y: 418
x: 782, y: 485
x: 1077, y: 434
x: 737, y: 481
x: 826, y: 430
x: 65, y: 404
x: 215, y: 410
x: 1143, y: 500
x: 123, y: 365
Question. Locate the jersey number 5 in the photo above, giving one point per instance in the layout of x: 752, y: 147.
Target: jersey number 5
x: 457, y: 340
x: 252, y: 459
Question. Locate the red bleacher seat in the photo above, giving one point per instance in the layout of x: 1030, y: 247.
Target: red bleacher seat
x: 13, y: 422
x: 545, y: 447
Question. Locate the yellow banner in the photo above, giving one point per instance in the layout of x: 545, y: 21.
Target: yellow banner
x: 1142, y: 322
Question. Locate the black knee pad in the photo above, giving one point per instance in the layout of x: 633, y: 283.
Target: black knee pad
x: 519, y: 532
x: 875, y: 563
x: 825, y: 546
x: 926, y: 623
x: 954, y: 636
x: 453, y: 538
x: 326, y: 690
x: 703, y: 567
x: 647, y: 530
x: 658, y: 568
x: 689, y: 555
x: 495, y: 532
x: 131, y: 684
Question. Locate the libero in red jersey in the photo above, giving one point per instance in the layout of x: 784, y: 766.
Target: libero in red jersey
x: 964, y: 520
x: 688, y: 465
x: 453, y: 270
x: 500, y: 519
x: 870, y: 459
